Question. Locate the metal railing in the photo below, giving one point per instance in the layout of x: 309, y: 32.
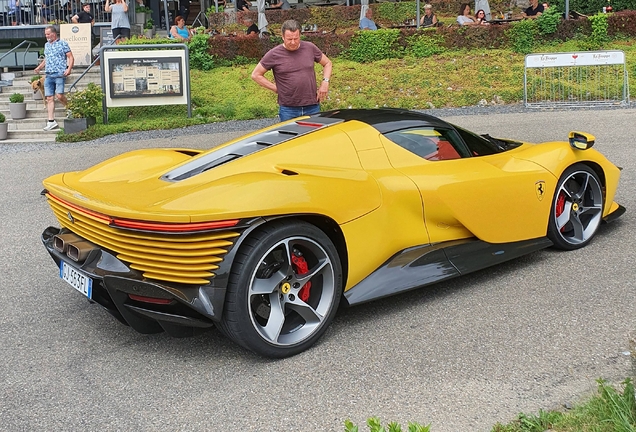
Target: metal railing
x: 72, y: 86
x: 576, y: 79
x: 14, y: 50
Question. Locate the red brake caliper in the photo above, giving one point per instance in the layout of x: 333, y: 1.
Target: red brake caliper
x: 560, y: 206
x: 301, y: 268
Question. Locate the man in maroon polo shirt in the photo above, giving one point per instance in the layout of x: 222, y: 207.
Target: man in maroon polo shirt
x: 294, y: 77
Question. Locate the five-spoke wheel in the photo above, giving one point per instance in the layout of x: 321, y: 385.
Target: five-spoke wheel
x: 284, y: 289
x: 577, y: 208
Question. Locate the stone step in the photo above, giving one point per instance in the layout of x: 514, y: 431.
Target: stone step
x: 32, y: 105
x: 36, y: 135
x: 43, y: 138
x: 31, y: 124
x: 25, y: 87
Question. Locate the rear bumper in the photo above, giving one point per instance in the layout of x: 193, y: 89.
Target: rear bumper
x: 189, y: 307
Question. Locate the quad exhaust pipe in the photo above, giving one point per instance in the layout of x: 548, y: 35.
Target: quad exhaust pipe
x: 75, y: 247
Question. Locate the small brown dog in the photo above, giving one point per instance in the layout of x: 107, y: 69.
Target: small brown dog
x: 38, y: 86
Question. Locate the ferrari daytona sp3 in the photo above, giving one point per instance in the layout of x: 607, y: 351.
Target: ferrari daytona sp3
x: 266, y: 235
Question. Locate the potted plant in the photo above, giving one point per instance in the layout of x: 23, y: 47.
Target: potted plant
x: 149, y: 28
x: 140, y: 14
x: 37, y: 94
x: 83, y: 106
x: 4, y: 127
x: 17, y: 106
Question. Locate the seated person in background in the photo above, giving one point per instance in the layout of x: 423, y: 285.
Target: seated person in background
x: 84, y: 16
x: 480, y: 17
x: 367, y: 23
x: 243, y: 5
x: 534, y: 11
x: 464, y: 18
x: 179, y: 30
x: 429, y: 19
x: 282, y: 4
x: 251, y: 26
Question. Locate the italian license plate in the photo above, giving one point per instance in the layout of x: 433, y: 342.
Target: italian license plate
x: 77, y: 280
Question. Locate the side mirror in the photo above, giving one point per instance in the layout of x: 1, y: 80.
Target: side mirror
x: 581, y: 140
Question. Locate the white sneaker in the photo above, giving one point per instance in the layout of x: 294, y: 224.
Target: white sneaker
x: 50, y: 126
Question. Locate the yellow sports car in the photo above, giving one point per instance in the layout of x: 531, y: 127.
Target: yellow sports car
x: 264, y: 236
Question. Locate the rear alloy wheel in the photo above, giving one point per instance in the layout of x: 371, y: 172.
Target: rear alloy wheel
x: 284, y: 289
x: 577, y: 208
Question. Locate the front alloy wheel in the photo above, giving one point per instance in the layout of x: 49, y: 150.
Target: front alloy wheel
x: 284, y: 290
x: 577, y: 208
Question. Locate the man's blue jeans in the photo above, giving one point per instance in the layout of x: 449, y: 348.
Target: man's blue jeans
x: 288, y: 112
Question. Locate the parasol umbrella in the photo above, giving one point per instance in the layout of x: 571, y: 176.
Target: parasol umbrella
x: 262, y: 20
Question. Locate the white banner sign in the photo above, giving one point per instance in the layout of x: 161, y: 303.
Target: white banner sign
x: 585, y: 58
x: 78, y: 37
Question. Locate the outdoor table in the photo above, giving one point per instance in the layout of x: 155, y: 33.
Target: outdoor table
x: 403, y: 26
x: 327, y: 3
x: 504, y: 21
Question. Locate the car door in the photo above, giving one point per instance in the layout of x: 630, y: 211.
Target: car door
x: 470, y: 191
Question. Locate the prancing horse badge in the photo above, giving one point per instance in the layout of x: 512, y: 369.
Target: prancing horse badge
x: 540, y: 189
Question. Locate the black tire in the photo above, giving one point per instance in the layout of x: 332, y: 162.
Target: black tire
x: 577, y: 208
x: 269, y: 307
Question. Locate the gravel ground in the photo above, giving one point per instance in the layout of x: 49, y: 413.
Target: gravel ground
x: 250, y: 125
x: 533, y: 333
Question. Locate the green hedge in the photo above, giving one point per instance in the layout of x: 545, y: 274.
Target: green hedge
x: 366, y: 46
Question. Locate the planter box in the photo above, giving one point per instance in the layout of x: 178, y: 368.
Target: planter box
x: 75, y: 125
x: 4, y: 127
x: 140, y: 18
x: 37, y: 95
x: 17, y: 110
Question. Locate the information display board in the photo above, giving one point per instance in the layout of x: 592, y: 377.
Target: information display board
x: 140, y: 78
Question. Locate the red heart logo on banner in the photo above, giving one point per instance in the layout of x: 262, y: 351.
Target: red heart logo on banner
x: 574, y: 56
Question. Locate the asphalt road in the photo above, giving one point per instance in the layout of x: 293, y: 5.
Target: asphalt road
x: 533, y: 333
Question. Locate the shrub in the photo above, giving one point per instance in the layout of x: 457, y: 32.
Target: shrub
x: 16, y: 98
x: 368, y: 46
x: 86, y: 103
x: 35, y: 78
x: 622, y: 24
x: 549, y: 21
x: 2, y: 118
x: 199, y: 55
x: 599, y: 30
x: 522, y: 35
x: 590, y: 7
x: 425, y: 44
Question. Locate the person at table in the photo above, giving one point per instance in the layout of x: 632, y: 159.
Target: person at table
x: 483, y: 4
x: 533, y: 11
x: 84, y: 16
x: 179, y: 30
x: 367, y: 23
x: 282, y: 4
x: 464, y: 18
x: 243, y: 5
x: 252, y: 28
x: 480, y: 17
x: 429, y: 19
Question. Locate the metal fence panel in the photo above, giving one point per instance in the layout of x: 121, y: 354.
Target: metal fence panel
x: 580, y: 79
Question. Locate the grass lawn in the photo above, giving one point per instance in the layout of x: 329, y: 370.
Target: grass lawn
x: 452, y: 79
